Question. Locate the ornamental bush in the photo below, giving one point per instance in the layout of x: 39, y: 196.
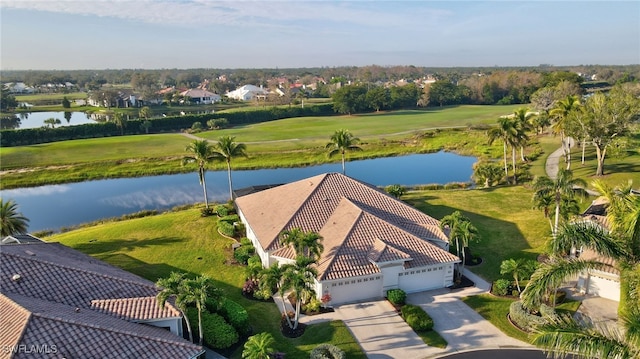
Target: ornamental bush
x: 327, y: 351
x: 501, y: 287
x: 226, y: 228
x: 217, y: 333
x: 243, y: 253
x: 396, y: 296
x: 417, y: 318
x: 222, y: 210
x: 235, y: 315
x: 522, y: 318
x: 548, y: 313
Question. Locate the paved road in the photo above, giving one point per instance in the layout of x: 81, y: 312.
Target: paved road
x: 498, y: 354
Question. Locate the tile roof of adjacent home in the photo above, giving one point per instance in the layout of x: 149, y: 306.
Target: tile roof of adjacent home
x: 54, y: 295
x: 359, y: 225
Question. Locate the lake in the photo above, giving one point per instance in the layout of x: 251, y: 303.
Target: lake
x: 55, y: 206
x: 36, y: 119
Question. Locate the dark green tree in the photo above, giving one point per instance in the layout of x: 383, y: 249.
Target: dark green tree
x: 13, y: 222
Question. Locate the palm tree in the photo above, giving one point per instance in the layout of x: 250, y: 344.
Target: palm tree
x: 462, y: 231
x: 145, y: 112
x: 171, y: 286
x: 226, y: 148
x: 259, y: 346
x: 13, y: 222
x: 619, y: 242
x: 487, y: 173
x: 561, y: 114
x: 563, y: 187
x: 52, y: 122
x: 201, y: 153
x: 519, y: 268
x: 396, y: 190
x: 522, y: 117
x: 188, y: 292
x: 300, y: 279
x: 508, y: 133
x: 271, y: 279
x: 342, y: 141
x: 306, y: 244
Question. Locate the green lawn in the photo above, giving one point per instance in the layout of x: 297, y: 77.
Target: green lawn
x: 153, y: 247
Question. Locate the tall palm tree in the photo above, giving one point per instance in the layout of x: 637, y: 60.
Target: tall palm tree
x: 562, y: 188
x: 561, y: 115
x: 171, y: 286
x: 462, y: 231
x: 13, y: 222
x: 523, y: 118
x: 508, y: 133
x: 188, y: 291
x: 300, y: 279
x: 201, y: 152
x: 618, y: 242
x: 342, y: 141
x: 120, y: 122
x: 306, y: 244
x: 226, y: 148
x: 271, y: 279
x: 259, y: 346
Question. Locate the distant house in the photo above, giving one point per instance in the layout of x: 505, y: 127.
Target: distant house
x: 372, y: 241
x: 247, y: 93
x: 70, y: 305
x: 200, y: 96
x: 18, y: 88
x: 604, y: 282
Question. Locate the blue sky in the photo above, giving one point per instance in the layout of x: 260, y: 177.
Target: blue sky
x: 59, y: 34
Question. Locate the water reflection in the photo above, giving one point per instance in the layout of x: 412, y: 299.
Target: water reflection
x: 56, y: 206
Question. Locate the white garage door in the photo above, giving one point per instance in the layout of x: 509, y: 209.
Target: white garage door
x: 417, y: 280
x: 604, y: 287
x: 355, y: 290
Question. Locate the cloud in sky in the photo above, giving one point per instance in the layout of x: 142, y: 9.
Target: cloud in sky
x: 232, y: 34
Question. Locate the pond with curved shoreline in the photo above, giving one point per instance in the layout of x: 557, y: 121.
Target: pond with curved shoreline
x: 52, y: 207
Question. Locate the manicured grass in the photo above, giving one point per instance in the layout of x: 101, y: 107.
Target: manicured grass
x: 38, y: 97
x: 508, y: 226
x: 153, y: 247
x: 432, y: 339
x: 495, y: 310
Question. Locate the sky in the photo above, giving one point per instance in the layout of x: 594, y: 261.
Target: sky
x: 182, y: 34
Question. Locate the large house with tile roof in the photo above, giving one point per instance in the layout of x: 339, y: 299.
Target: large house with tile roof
x: 55, y: 300
x: 372, y: 241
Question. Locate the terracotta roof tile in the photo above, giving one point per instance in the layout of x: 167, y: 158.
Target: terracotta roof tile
x: 610, y: 264
x: 135, y: 309
x: 13, y: 321
x: 359, y: 224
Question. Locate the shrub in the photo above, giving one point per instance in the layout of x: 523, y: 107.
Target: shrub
x: 217, y: 333
x: 522, y: 318
x: 206, y: 212
x: 417, y: 318
x: 262, y: 294
x: 548, y: 313
x: 235, y: 315
x: 226, y: 228
x: 397, y: 296
x: 313, y: 305
x: 249, y: 288
x: 222, y: 210
x: 327, y: 351
x: 243, y: 253
x: 501, y: 287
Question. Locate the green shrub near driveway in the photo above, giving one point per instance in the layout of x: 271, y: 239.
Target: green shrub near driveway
x: 523, y: 319
x: 217, y: 333
x: 417, y: 318
x: 396, y: 296
x: 236, y: 315
x: 327, y: 351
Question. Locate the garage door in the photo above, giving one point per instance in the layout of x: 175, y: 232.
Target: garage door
x: 356, y: 290
x: 604, y: 287
x: 418, y: 280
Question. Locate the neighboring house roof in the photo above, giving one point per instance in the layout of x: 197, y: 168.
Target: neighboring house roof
x: 610, y: 264
x: 246, y: 92
x: 199, y: 93
x: 20, y: 239
x: 56, y: 295
x: 597, y: 213
x: 361, y: 226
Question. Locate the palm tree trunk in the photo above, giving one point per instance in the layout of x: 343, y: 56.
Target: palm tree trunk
x: 513, y: 160
x: 584, y: 144
x: 343, y: 170
x: 230, y: 184
x: 295, y: 320
x: 515, y: 276
x: 184, y: 315
x: 522, y: 154
x: 506, y: 169
x: 600, y: 153
x: 204, y: 187
x: 557, y: 217
x: 200, y: 323
x: 284, y: 310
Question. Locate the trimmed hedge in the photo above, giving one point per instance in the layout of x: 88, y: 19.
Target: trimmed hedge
x: 218, y: 334
x: 235, y: 315
x: 396, y: 296
x: 522, y: 318
x: 327, y: 351
x: 417, y: 318
x: 226, y: 228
